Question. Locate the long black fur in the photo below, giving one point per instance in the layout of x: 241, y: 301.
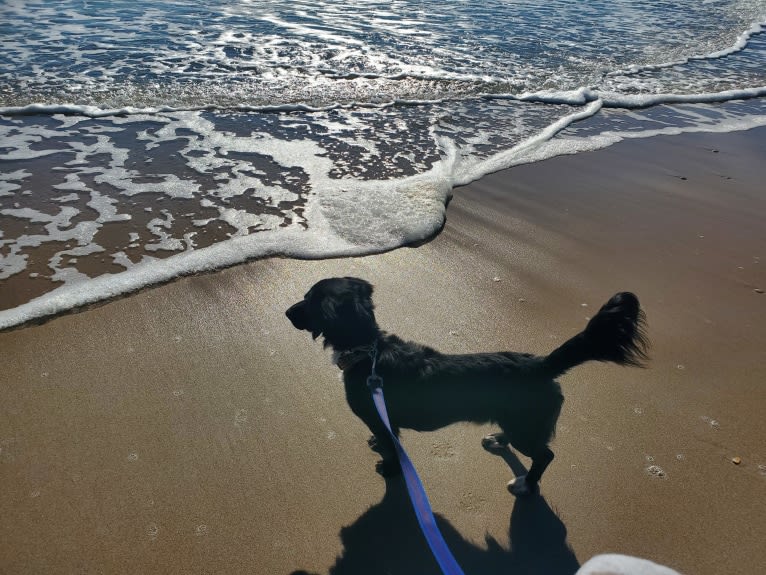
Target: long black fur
x: 426, y: 390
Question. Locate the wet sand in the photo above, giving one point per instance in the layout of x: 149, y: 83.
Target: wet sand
x: 190, y: 429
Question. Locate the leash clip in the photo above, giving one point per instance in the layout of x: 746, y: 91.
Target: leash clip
x: 374, y: 381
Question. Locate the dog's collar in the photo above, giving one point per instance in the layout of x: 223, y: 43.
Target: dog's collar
x: 350, y: 357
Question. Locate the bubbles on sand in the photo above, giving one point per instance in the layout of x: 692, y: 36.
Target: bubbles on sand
x: 656, y: 471
x: 710, y: 421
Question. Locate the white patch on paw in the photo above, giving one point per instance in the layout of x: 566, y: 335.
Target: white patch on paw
x: 491, y: 443
x: 518, y: 486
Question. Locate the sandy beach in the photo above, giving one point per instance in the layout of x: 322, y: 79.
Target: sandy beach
x: 190, y: 428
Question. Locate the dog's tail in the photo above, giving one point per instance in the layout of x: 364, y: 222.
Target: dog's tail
x: 616, y: 333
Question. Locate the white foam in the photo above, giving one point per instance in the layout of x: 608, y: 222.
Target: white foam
x: 609, y: 99
x: 8, y: 181
x: 532, y: 147
x: 291, y: 243
x: 246, y: 222
x: 627, y: 101
x: 164, y: 240
x: 573, y: 145
x: 105, y: 206
x: 739, y: 44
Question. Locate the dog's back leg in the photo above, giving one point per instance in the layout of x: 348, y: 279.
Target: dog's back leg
x: 495, y: 442
x: 527, y: 484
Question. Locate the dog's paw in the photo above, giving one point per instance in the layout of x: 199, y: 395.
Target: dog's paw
x: 388, y: 467
x: 520, y: 488
x: 494, y: 442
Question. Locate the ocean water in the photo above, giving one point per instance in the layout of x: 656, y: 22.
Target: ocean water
x: 144, y: 140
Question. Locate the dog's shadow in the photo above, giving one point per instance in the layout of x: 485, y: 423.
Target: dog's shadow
x: 387, y: 539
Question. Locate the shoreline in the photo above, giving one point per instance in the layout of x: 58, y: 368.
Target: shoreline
x: 189, y: 428
x: 70, y: 298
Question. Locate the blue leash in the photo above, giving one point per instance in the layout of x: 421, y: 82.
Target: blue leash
x: 415, y: 487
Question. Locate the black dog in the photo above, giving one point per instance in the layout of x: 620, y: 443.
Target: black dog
x: 426, y: 390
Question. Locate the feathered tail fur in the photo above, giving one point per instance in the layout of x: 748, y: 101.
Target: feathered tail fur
x: 616, y: 333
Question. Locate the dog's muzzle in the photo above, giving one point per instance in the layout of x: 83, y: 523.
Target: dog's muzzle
x: 297, y: 315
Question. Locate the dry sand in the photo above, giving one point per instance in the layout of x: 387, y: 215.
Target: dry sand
x: 190, y: 429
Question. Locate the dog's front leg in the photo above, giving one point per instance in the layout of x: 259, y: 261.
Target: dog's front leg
x: 364, y: 408
x: 381, y: 442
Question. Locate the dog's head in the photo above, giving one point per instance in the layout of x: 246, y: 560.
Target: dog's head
x: 340, y: 309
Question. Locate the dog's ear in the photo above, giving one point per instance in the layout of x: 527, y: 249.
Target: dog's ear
x: 329, y: 308
x: 347, y: 313
x: 362, y: 287
x: 362, y: 294
x: 362, y: 300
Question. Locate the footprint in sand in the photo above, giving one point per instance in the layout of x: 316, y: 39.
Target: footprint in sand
x: 601, y: 443
x: 472, y: 503
x: 442, y: 450
x: 240, y: 418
